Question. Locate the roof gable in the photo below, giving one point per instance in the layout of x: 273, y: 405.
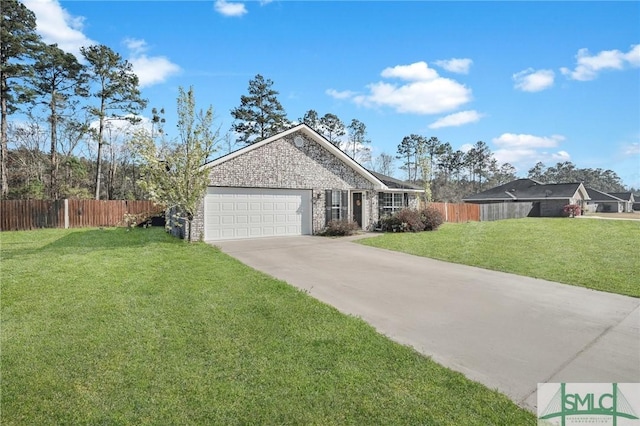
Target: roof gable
x: 624, y: 196
x: 529, y: 189
x: 394, y: 183
x: 596, y: 195
x: 314, y: 136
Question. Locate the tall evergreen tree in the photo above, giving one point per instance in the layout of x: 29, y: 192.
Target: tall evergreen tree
x: 432, y: 149
x: 18, y: 42
x: 332, y: 128
x: 260, y: 114
x: 57, y: 78
x: 478, y: 160
x: 116, y: 89
x: 358, y: 142
x: 537, y: 172
x: 311, y: 119
x: 408, y: 152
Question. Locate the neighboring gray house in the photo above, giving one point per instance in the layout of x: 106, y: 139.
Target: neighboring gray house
x: 293, y: 183
x: 603, y: 202
x: 628, y: 198
x: 545, y: 199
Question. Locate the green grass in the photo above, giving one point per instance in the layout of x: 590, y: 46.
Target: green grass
x: 597, y: 254
x: 116, y: 327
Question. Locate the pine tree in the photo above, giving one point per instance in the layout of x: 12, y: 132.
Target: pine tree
x: 117, y: 91
x: 57, y: 78
x: 260, y: 114
x: 18, y: 41
x: 332, y: 128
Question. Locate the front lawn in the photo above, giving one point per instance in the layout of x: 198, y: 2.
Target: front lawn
x: 116, y: 327
x: 598, y: 254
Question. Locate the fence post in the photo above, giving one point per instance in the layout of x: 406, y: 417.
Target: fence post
x: 66, y: 213
x: 446, y: 213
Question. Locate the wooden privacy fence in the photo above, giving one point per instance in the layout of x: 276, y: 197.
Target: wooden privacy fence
x: 457, y: 212
x: 18, y: 215
x: 515, y: 210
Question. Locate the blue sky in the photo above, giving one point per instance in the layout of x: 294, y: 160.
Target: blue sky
x: 536, y: 81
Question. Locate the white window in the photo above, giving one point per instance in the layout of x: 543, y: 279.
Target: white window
x: 337, y: 205
x: 391, y: 202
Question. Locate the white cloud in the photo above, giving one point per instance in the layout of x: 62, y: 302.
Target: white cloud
x: 633, y: 56
x: 524, y: 150
x: 531, y: 80
x: 226, y: 8
x: 149, y: 69
x: 345, y: 94
x: 456, y: 119
x: 466, y: 147
x: 117, y: 128
x: 512, y: 140
x: 460, y: 66
x: 418, y: 71
x: 135, y: 46
x: 560, y: 156
x: 57, y: 26
x: 589, y: 66
x: 632, y: 149
x: 153, y: 70
x: 424, y: 93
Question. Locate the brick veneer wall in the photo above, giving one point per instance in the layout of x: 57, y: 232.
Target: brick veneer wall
x: 281, y: 164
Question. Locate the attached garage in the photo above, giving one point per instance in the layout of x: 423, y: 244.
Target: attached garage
x: 233, y: 213
x: 292, y: 183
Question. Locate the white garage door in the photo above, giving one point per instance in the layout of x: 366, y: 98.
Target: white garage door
x: 232, y: 213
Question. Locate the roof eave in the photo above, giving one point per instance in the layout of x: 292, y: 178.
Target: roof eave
x: 377, y: 183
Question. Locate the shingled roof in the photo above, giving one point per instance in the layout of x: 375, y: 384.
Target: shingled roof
x: 599, y: 196
x: 624, y: 196
x: 527, y: 190
x: 394, y: 183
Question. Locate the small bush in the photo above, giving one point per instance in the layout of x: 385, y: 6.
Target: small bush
x: 340, y: 228
x: 431, y: 218
x: 572, y: 210
x: 405, y: 220
x: 410, y: 220
x: 390, y: 223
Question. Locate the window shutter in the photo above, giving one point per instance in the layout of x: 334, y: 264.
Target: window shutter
x: 406, y: 199
x: 327, y: 206
x: 380, y: 204
x: 344, y: 206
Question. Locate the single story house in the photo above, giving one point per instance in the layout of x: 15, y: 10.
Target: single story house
x: 546, y: 199
x: 603, y: 202
x: 293, y: 183
x: 628, y: 198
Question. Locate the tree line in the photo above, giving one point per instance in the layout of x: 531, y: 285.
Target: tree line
x: 51, y: 86
x: 81, y: 133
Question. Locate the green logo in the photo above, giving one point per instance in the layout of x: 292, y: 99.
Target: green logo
x: 589, y: 403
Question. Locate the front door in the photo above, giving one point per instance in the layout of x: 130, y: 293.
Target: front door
x: 356, y: 207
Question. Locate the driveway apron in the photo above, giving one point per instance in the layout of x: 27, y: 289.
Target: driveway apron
x: 506, y: 331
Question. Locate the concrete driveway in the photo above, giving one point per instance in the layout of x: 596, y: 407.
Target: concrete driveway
x: 505, y: 331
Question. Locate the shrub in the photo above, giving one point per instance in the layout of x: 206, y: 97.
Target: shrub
x: 405, y: 220
x: 431, y: 218
x: 572, y: 210
x: 390, y: 223
x: 410, y: 220
x: 339, y: 228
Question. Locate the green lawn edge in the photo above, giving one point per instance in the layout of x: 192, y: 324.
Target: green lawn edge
x: 597, y: 254
x: 116, y: 327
